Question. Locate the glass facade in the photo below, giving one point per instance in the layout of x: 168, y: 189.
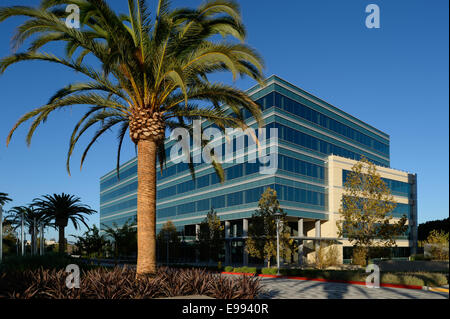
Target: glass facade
x: 278, y: 100
x: 308, y: 132
x: 397, y: 188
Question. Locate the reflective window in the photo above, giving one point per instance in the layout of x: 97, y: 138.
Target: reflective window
x: 395, y: 186
x: 291, y: 135
x: 314, y: 116
x: 132, y: 170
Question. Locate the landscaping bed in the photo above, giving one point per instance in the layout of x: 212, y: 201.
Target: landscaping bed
x: 430, y: 279
x: 121, y: 283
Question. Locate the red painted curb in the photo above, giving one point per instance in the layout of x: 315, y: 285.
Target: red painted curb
x: 361, y: 283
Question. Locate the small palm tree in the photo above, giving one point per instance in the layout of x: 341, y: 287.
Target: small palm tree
x: 32, y: 218
x: 154, y: 75
x: 123, y: 237
x: 62, y: 209
x: 4, y: 199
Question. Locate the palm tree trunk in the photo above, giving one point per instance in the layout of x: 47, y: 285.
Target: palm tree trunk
x: 61, y: 240
x: 146, y: 207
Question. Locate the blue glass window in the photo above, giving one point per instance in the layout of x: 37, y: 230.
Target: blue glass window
x: 318, y: 118
x: 218, y: 202
x: 235, y: 199
x: 203, y: 181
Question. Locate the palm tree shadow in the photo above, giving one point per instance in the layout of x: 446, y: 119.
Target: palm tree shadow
x: 332, y: 290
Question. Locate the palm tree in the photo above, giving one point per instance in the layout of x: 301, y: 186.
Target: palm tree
x: 32, y: 218
x: 4, y: 199
x: 124, y: 237
x: 153, y: 74
x: 62, y: 209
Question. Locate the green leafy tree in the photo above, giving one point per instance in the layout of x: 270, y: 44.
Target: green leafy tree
x: 168, y: 235
x: 124, y: 238
x: 211, y: 237
x: 61, y: 209
x: 9, y: 238
x: 439, y: 244
x: 366, y: 211
x: 426, y: 228
x: 92, y: 243
x: 152, y: 75
x: 262, y: 231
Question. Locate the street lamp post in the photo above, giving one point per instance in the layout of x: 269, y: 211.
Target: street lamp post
x: 42, y: 241
x: 17, y: 242
x: 277, y: 221
x: 22, y: 235
x: 167, y: 247
x: 34, y: 239
x: 1, y: 234
x: 16, y: 233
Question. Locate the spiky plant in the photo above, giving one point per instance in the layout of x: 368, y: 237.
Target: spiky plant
x: 151, y: 75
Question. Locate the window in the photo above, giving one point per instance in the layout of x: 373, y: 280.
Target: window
x: 218, y: 202
x: 203, y: 205
x: 235, y: 199
x: 203, y: 181
x: 186, y: 208
x: 311, y: 115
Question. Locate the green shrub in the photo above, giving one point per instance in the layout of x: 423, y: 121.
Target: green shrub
x: 248, y: 270
x: 359, y: 256
x: 418, y: 257
x: 229, y: 268
x: 398, y: 279
x: 435, y: 279
x: 48, y: 261
x: 416, y: 279
x: 327, y: 256
x: 269, y: 271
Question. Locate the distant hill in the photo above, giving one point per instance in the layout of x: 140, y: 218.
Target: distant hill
x: 425, y: 228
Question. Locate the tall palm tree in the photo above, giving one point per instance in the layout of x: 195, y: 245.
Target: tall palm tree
x: 4, y: 199
x: 152, y: 75
x: 62, y: 209
x: 32, y: 218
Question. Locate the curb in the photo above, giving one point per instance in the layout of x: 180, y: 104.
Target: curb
x: 361, y: 283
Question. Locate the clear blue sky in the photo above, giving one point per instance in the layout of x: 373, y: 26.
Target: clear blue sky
x: 394, y: 78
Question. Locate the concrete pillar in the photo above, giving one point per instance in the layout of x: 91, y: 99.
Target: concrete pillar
x: 197, y: 231
x: 317, y: 228
x: 227, y: 244
x: 300, y: 246
x: 244, y: 235
x: 300, y: 227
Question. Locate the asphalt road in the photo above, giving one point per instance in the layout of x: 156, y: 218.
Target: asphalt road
x: 281, y: 288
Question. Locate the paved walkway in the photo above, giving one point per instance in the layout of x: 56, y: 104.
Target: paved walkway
x: 280, y: 288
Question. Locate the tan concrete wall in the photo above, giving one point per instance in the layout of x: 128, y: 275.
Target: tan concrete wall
x: 336, y: 165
